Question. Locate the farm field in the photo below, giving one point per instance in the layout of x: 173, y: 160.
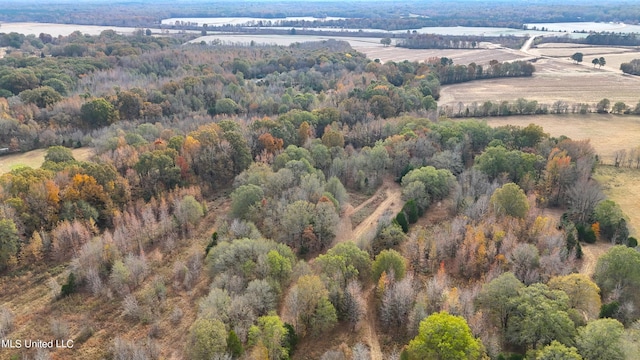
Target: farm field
x: 480, y: 56
x: 614, y: 55
x: 285, y: 40
x: 553, y: 80
x: 35, y: 158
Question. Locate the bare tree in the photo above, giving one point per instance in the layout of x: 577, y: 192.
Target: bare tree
x: 360, y: 352
x: 583, y: 198
x: 6, y: 321
x: 397, y: 303
x: 354, y: 304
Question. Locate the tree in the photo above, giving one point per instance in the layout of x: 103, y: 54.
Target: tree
x: 583, y: 196
x: 584, y: 294
x: 8, y: 241
x: 445, y: 337
x: 243, y: 198
x: 188, y: 211
x: 577, y: 57
x: 129, y: 105
x: 601, y: 61
x: 99, y: 112
x: 558, y: 351
x: 619, y: 107
x: 595, y: 62
x: 271, y: 332
x: 397, y: 302
x: 332, y: 137
x: 609, y: 215
x: 58, y: 154
x: 618, y: 275
x: 208, y: 337
x: 387, y: 261
x: 401, y: 219
x: 344, y: 262
x: 601, y: 339
x: 495, y: 296
x: 538, y: 316
x: 309, y: 304
x: 510, y: 200
x: 437, y: 182
x: 41, y: 97
x: 226, y: 106
x: 385, y: 41
x: 603, y: 106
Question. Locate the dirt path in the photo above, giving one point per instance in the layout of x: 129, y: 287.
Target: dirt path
x: 527, y: 45
x: 590, y: 255
x: 391, y: 203
x: 370, y: 324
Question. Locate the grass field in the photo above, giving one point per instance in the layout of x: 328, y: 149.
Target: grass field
x: 622, y: 185
x: 606, y: 132
x: 35, y: 158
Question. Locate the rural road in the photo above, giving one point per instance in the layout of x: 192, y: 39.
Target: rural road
x: 527, y: 45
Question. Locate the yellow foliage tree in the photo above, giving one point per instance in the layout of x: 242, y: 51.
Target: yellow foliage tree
x: 584, y: 294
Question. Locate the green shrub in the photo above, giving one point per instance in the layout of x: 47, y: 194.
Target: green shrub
x: 411, y: 209
x: 632, y: 242
x: 609, y: 310
x: 401, y: 220
x: 70, y: 287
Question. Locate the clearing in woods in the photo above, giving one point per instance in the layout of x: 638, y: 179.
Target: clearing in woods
x: 35, y: 158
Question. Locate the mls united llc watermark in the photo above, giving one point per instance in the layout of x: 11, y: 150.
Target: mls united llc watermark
x: 35, y: 344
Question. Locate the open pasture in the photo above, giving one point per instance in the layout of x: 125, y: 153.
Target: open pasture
x: 35, y: 158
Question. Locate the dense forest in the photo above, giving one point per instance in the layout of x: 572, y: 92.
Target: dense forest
x: 211, y: 213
